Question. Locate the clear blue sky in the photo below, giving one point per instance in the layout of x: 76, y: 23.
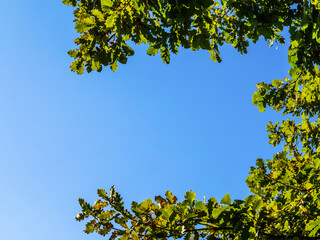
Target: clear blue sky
x: 147, y: 128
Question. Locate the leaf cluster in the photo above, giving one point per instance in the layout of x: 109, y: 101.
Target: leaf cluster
x: 107, y: 28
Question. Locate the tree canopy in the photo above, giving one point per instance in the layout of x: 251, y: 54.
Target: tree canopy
x: 285, y: 200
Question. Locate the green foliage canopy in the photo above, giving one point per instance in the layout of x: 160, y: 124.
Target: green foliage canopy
x: 285, y: 200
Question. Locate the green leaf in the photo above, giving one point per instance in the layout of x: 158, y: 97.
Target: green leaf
x: 256, y: 98
x: 190, y: 197
x: 314, y: 227
x: 216, y: 212
x: 102, y: 193
x: 98, y: 14
x: 204, y: 43
x: 106, y: 4
x: 166, y: 212
x: 110, y: 21
x: 146, y: 205
x: 226, y: 199
x: 84, y: 25
x: 257, y: 204
x: 171, y: 198
x: 96, y: 64
x: 200, y: 206
x: 276, y: 83
x: 286, y: 225
x: 70, y: 2
x: 152, y: 51
x: 114, y: 66
x: 261, y: 107
x: 248, y: 200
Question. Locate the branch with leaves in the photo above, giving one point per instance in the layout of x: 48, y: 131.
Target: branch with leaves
x: 285, y: 200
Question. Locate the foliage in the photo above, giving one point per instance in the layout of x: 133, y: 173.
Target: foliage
x: 285, y: 200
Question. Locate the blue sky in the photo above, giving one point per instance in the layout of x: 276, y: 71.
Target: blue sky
x: 147, y: 128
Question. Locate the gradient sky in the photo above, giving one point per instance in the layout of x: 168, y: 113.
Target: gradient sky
x: 147, y: 128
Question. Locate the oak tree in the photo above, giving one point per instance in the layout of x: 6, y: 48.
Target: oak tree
x: 285, y: 199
